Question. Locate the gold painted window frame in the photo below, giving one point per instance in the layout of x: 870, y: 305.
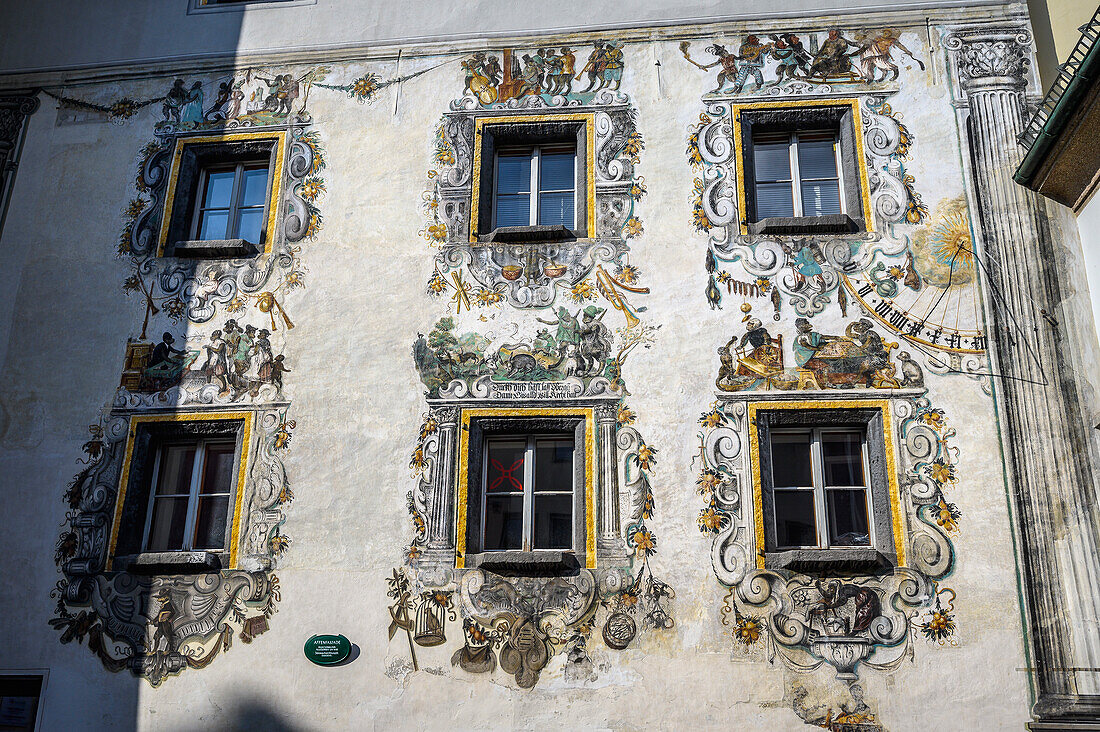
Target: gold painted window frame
x: 462, y: 489
x: 242, y: 470
x: 739, y: 151
x: 276, y: 178
x: 589, y: 120
x: 883, y: 406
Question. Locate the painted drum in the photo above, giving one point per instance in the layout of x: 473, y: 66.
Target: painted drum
x: 618, y: 631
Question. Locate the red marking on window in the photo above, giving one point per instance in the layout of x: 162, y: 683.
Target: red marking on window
x: 506, y: 475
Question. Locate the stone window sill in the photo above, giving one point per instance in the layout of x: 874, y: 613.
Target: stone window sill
x: 543, y: 562
x: 528, y: 234
x: 214, y: 249
x: 169, y: 563
x: 832, y: 224
x: 855, y: 559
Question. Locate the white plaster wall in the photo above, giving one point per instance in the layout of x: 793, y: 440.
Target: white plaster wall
x: 357, y: 402
x: 74, y: 34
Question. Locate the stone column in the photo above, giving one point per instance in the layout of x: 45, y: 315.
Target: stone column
x: 441, y: 539
x: 1049, y: 473
x: 609, y: 542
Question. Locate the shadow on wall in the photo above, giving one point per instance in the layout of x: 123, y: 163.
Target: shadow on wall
x: 257, y: 714
x: 79, y: 691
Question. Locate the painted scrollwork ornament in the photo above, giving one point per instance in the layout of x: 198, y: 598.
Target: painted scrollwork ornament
x: 196, y: 294
x: 530, y: 275
x: 158, y: 626
x: 805, y: 270
x: 843, y: 621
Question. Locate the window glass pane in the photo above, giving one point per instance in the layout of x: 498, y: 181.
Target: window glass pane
x: 553, y: 521
x: 219, y: 190
x: 255, y: 187
x: 791, y: 460
x: 847, y: 511
x: 774, y: 199
x: 556, y: 208
x: 514, y: 173
x: 820, y: 197
x: 210, y: 522
x: 842, y: 455
x: 795, y: 522
x: 250, y: 224
x: 176, y: 464
x: 168, y: 522
x: 771, y: 160
x: 219, y: 469
x: 556, y: 172
x: 213, y: 224
x: 505, y: 469
x: 503, y: 522
x: 19, y: 703
x: 816, y: 158
x: 513, y: 210
x: 554, y: 465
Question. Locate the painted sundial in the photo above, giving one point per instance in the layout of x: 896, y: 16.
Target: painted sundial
x: 929, y: 294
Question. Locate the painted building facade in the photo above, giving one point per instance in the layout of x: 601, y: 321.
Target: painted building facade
x: 770, y: 410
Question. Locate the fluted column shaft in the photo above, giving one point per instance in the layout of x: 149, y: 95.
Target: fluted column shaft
x: 608, y: 525
x: 1048, y: 471
x: 441, y: 502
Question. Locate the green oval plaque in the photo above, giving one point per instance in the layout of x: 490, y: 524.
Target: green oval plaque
x: 327, y: 650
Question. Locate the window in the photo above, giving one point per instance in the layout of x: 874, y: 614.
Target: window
x: 526, y: 490
x: 796, y: 174
x: 180, y: 493
x: 535, y: 187
x: 820, y: 488
x: 827, y: 493
x: 799, y: 169
x: 533, y: 179
x: 528, y: 493
x: 189, y: 507
x: 20, y: 699
x: 224, y: 192
x: 233, y: 203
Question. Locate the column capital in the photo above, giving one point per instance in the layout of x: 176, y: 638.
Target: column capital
x: 445, y: 415
x: 608, y: 412
x: 996, y: 57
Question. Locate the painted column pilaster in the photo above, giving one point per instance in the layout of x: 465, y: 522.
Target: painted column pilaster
x: 609, y: 541
x: 441, y: 539
x: 1050, y: 479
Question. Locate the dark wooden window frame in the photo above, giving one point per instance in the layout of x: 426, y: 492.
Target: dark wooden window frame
x: 530, y: 134
x: 148, y: 439
x: 539, y: 561
x: 881, y: 554
x: 838, y: 119
x: 195, y: 159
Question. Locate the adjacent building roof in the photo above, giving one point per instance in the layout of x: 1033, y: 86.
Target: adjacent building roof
x: 1062, y: 156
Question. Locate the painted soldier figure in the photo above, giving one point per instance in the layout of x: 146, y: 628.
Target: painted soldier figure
x: 832, y: 59
x: 792, y: 56
x: 875, y: 56
x: 727, y: 60
x: 752, y: 54
x: 174, y: 101
x: 597, y: 62
x: 595, y: 340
